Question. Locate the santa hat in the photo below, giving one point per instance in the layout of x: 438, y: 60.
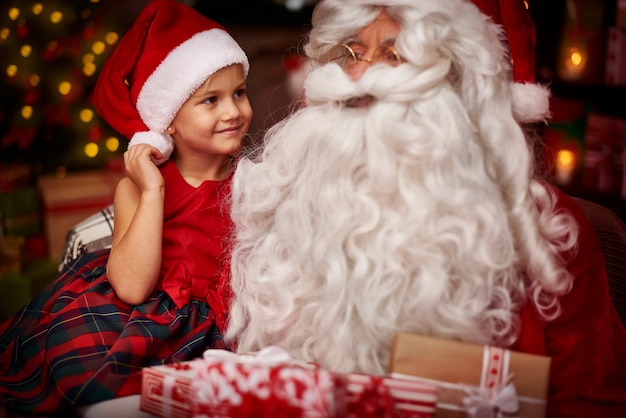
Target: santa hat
x: 531, y: 101
x: 168, y: 53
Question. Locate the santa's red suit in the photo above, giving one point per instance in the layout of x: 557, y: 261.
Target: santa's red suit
x: 587, y: 342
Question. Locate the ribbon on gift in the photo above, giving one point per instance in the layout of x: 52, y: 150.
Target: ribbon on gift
x: 169, y: 383
x: 268, y: 356
x: 478, y: 404
x: 496, y: 394
x: 268, y: 382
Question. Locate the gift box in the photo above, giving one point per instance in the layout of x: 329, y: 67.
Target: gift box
x: 615, y: 71
x: 21, y: 212
x: 18, y: 288
x: 14, y: 176
x: 224, y: 384
x: 386, y: 396
x: 11, y: 254
x: 270, y: 384
x: 72, y: 199
x: 166, y: 390
x: 605, y: 137
x: 474, y: 380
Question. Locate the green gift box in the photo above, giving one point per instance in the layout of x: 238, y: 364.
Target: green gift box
x: 21, y: 212
x: 16, y: 290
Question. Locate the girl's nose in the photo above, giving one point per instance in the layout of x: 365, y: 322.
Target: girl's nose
x: 231, y: 110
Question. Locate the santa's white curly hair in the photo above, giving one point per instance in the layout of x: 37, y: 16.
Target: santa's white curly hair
x: 418, y: 214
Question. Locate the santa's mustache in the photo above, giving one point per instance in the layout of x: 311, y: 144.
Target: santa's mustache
x: 404, y: 83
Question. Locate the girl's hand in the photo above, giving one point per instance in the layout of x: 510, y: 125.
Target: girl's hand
x: 140, y: 168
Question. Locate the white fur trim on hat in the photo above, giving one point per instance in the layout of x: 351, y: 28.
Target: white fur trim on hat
x: 531, y: 102
x: 182, y: 71
x: 162, y: 142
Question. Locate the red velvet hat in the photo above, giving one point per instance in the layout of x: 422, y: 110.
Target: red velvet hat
x: 514, y: 16
x: 531, y: 102
x: 168, y: 53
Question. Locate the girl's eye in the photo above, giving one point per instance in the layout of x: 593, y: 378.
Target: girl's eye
x: 240, y: 93
x: 211, y: 100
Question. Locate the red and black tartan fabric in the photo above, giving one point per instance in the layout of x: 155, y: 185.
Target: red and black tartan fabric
x: 77, y: 343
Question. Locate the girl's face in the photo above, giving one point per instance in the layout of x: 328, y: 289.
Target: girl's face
x: 214, y: 120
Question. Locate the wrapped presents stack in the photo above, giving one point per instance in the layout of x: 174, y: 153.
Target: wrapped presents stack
x: 427, y: 377
x: 20, y: 206
x: 616, y: 48
x: 605, y: 154
x: 24, y: 266
x: 270, y: 384
x: 71, y: 199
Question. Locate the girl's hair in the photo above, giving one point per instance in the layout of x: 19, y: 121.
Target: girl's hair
x: 419, y: 214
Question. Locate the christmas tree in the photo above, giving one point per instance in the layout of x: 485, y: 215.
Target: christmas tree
x: 50, y: 56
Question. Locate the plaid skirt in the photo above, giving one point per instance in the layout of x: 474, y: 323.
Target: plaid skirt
x: 76, y: 343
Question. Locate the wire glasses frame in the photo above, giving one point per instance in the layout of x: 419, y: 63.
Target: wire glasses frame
x: 347, y: 58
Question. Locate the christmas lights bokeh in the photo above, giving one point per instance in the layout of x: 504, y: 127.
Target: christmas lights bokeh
x: 50, y: 56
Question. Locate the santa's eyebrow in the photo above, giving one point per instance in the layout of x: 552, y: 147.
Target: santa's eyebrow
x: 352, y: 40
x: 355, y: 40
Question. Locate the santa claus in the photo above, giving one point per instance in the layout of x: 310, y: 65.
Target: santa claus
x: 403, y: 198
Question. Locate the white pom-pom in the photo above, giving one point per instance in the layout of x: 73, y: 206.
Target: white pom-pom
x: 531, y: 102
x: 162, y: 142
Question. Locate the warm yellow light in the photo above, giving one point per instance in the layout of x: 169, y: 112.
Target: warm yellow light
x: 89, y: 69
x: 37, y: 8
x: 112, y: 144
x: 576, y: 57
x: 65, y: 87
x: 34, y: 80
x: 98, y: 47
x: 12, y: 70
x: 91, y: 150
x: 111, y: 38
x: 27, y: 112
x: 86, y: 115
x: 14, y: 13
x: 56, y: 16
x: 4, y: 33
x: 95, y: 1
x: 25, y: 50
x: 526, y: 4
x: 88, y: 57
x: 565, y: 166
x: 565, y: 158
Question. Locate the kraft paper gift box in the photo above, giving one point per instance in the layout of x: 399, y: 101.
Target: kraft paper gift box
x: 473, y: 378
x: 270, y: 384
x: 72, y: 199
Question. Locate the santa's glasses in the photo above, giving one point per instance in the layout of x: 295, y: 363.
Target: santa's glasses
x: 348, y: 56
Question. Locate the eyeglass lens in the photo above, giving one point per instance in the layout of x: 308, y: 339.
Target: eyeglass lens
x: 348, y: 56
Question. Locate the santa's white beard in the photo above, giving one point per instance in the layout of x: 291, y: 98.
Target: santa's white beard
x: 358, y: 223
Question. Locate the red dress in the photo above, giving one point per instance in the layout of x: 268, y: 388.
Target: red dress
x: 76, y: 343
x: 587, y: 342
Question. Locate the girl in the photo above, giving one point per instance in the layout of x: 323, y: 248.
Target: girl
x: 176, y: 79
